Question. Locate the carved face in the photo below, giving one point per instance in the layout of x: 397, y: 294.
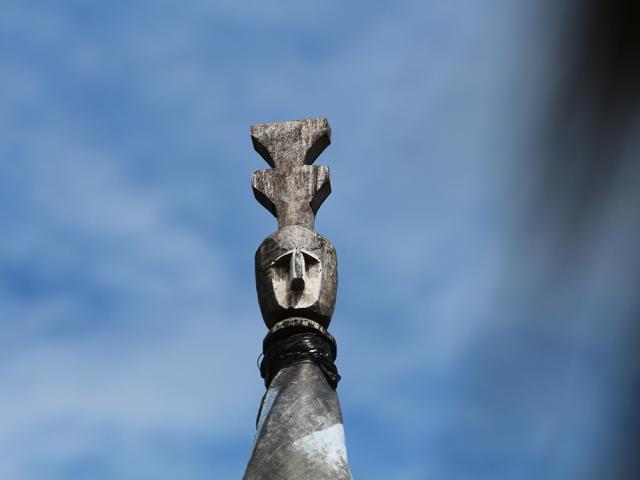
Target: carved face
x: 296, y: 276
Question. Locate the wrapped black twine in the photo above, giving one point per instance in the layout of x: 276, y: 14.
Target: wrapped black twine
x: 291, y: 346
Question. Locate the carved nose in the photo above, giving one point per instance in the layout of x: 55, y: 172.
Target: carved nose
x: 296, y: 271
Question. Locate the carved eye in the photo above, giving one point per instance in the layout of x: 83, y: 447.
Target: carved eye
x: 309, y: 260
x: 284, y: 261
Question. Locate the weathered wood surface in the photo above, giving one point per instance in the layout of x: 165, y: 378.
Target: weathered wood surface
x: 300, y: 434
x: 277, y: 296
x: 299, y: 429
x: 293, y: 189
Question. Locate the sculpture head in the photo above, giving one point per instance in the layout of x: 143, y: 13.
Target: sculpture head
x: 296, y: 276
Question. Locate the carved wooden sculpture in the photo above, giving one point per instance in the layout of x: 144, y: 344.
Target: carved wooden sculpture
x: 299, y: 432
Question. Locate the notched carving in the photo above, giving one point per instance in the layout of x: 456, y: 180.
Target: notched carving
x: 297, y: 142
x: 296, y: 268
x: 292, y: 195
x: 323, y: 188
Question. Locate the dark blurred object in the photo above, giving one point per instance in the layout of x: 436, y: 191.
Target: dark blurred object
x: 592, y: 120
x: 594, y: 107
x: 607, y: 63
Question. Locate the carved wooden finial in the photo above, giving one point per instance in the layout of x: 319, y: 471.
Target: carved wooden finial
x: 293, y: 189
x: 299, y: 432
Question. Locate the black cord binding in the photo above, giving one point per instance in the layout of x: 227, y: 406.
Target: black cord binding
x: 296, y: 342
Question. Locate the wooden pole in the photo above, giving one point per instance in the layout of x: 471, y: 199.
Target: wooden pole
x: 299, y: 431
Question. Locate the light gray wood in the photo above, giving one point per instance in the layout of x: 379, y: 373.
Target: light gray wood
x: 299, y: 431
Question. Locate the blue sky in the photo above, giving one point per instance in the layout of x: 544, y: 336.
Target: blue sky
x: 129, y: 322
